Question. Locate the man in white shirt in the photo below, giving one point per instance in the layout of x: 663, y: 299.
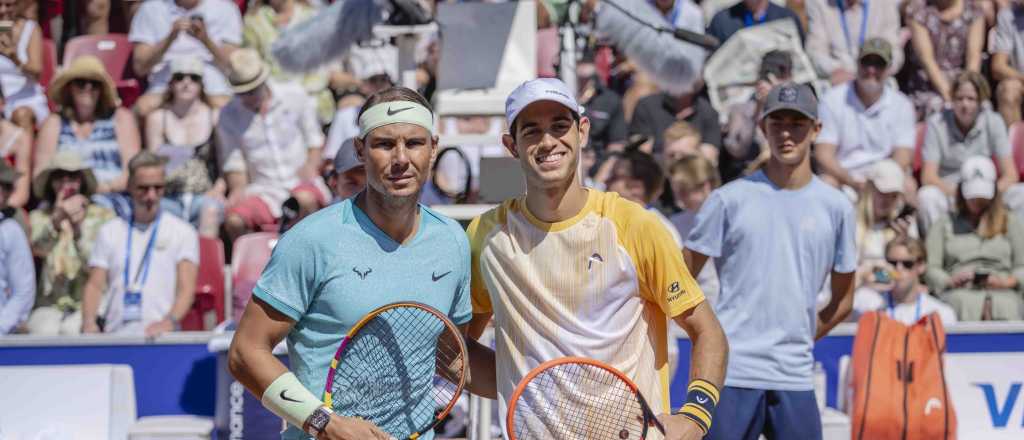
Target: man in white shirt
x: 163, y: 30
x: 906, y: 299
x: 270, y: 141
x: 863, y: 122
x: 144, y: 270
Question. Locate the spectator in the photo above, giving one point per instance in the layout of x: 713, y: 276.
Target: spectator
x: 681, y: 14
x: 145, y: 267
x: 17, y: 275
x: 64, y: 230
x: 968, y: 129
x: 347, y: 176
x: 655, y: 113
x: 947, y: 38
x: 1008, y: 62
x: 603, y: 106
x: 636, y: 176
x: 693, y: 178
x: 21, y: 62
x: 835, y: 53
x: 976, y: 256
x: 270, y: 143
x: 744, y: 145
x: 163, y: 30
x: 749, y: 13
x: 182, y: 129
x: 903, y: 297
x: 681, y: 140
x: 261, y: 28
x: 91, y: 124
x: 863, y: 122
x: 16, y: 149
x: 881, y: 217
x: 91, y: 17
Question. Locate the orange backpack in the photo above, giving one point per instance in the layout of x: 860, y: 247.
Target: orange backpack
x: 899, y: 386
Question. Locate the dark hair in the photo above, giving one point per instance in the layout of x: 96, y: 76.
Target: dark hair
x: 778, y: 63
x: 395, y: 94
x: 643, y: 166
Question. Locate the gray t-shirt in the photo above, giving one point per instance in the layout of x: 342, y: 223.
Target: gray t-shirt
x: 773, y: 248
x: 946, y: 145
x: 1008, y: 38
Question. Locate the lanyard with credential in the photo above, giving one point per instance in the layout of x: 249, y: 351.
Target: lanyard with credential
x: 892, y: 307
x: 846, y: 29
x: 143, y: 270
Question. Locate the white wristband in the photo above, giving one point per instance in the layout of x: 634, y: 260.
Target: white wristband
x: 289, y: 399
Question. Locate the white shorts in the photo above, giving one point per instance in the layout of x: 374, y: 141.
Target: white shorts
x: 31, y: 97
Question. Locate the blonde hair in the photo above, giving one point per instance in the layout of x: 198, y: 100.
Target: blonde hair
x: 680, y: 130
x: 866, y: 213
x: 914, y: 247
x: 693, y: 170
x: 993, y: 221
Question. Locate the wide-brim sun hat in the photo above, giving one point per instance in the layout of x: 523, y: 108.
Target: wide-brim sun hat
x: 67, y: 161
x: 86, y: 67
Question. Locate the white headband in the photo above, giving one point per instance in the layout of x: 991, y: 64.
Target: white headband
x: 395, y: 112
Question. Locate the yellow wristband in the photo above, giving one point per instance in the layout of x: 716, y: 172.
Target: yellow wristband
x: 290, y: 400
x: 701, y: 400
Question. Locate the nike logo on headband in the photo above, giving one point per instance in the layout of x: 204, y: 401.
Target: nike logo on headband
x: 395, y: 112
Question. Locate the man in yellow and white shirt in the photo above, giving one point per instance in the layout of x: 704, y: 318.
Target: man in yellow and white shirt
x: 571, y: 271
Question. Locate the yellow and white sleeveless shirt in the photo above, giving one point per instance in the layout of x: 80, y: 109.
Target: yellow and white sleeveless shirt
x: 599, y: 285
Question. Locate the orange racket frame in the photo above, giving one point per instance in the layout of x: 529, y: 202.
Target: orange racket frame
x: 521, y: 388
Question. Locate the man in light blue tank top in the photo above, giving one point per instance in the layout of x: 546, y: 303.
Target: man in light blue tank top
x: 346, y: 260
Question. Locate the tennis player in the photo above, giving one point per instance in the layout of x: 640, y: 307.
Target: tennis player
x: 571, y: 271
x: 776, y: 235
x: 346, y: 260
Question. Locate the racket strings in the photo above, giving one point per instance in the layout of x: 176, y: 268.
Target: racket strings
x: 577, y: 401
x: 390, y: 372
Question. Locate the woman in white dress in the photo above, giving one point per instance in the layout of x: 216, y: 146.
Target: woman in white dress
x: 21, y: 62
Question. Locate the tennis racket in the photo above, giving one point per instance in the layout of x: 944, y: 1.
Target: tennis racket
x: 574, y: 398
x: 402, y: 367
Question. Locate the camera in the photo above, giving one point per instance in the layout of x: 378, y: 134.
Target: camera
x: 882, y: 276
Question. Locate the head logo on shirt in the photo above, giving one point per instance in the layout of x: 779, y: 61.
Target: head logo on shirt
x: 362, y: 275
x: 595, y: 257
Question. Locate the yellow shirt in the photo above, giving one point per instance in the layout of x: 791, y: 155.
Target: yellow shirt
x: 599, y: 285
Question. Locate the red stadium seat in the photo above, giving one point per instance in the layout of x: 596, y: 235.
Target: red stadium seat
x: 919, y: 146
x: 1017, y: 145
x: 49, y: 63
x: 249, y: 256
x: 115, y: 51
x: 209, y: 299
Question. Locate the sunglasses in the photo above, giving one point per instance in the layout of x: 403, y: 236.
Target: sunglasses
x: 82, y: 83
x: 191, y: 76
x: 906, y: 264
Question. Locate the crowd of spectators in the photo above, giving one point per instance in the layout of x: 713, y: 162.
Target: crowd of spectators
x: 104, y: 203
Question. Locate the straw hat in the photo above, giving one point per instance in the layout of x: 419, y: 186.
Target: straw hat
x: 247, y: 70
x: 68, y: 161
x: 85, y: 67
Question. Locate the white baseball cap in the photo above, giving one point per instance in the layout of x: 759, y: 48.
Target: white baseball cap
x: 540, y: 89
x: 978, y: 178
x: 887, y: 176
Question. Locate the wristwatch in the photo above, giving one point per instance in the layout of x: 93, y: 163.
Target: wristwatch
x: 317, y: 422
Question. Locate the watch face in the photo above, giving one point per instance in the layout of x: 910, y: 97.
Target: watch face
x: 318, y: 421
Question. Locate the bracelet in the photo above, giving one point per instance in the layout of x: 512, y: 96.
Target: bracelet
x: 701, y: 400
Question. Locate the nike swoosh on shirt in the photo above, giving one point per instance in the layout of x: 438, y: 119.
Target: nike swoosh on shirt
x: 395, y: 112
x: 283, y: 397
x: 436, y: 277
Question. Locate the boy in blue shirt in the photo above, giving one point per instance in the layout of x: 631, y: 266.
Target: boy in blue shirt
x: 776, y: 236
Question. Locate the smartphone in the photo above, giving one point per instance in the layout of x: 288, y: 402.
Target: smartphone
x: 980, y: 278
x: 196, y: 18
x: 6, y: 26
